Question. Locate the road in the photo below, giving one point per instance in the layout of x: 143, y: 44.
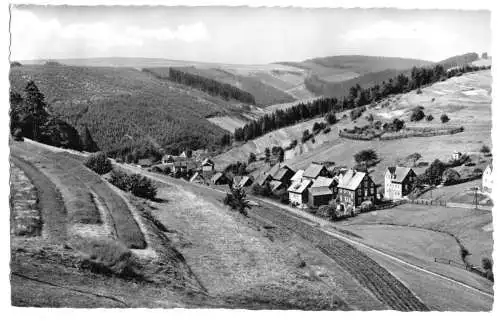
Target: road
x: 319, y: 223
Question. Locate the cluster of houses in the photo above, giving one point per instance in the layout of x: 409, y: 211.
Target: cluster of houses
x: 316, y: 185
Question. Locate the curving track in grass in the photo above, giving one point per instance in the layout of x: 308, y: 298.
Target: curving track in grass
x: 75, y: 181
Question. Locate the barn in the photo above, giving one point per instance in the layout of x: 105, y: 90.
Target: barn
x: 319, y: 196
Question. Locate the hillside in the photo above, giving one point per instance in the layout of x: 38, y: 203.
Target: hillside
x: 124, y: 106
x: 465, y: 99
x: 376, y: 70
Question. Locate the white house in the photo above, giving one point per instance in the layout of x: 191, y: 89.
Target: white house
x: 488, y: 179
x: 398, y: 182
x: 297, y: 192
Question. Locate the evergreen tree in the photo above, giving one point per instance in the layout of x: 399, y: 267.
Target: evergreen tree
x: 34, y: 102
x: 88, y: 143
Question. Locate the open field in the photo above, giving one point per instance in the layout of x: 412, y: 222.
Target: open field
x: 467, y: 225
x: 459, y: 193
x: 75, y: 182
x: 229, y: 253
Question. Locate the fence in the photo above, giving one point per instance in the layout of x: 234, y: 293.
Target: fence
x: 428, y: 202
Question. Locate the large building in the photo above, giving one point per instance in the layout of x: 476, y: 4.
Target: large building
x: 356, y: 187
x: 399, y: 182
x: 488, y: 179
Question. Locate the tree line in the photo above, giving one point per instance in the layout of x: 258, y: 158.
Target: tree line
x: 210, y: 86
x: 357, y: 97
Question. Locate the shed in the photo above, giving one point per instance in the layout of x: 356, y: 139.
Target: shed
x: 319, y: 196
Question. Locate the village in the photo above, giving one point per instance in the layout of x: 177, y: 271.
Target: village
x: 335, y: 192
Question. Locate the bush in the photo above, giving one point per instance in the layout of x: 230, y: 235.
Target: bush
x: 417, y: 114
x: 237, y: 200
x: 331, y: 118
x: 251, y: 158
x: 450, y: 177
x: 369, y: 118
x: 444, y: 118
x: 107, y: 256
x: 262, y: 190
x: 429, y: 117
x: 485, y: 149
x: 306, y: 135
x: 18, y: 135
x: 327, y: 130
x: 419, y: 91
x: 99, y: 163
x: 137, y: 184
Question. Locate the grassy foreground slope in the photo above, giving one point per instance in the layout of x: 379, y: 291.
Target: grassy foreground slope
x: 124, y: 105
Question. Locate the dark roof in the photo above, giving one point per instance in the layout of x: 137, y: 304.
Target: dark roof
x: 317, y: 191
x: 282, y: 173
x: 399, y: 173
x: 313, y: 170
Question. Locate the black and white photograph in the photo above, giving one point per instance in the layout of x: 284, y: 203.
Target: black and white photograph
x: 249, y: 158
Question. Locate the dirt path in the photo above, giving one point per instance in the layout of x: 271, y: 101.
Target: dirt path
x: 50, y: 201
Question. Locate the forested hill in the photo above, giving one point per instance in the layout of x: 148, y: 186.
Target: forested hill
x: 321, y: 87
x: 125, y: 107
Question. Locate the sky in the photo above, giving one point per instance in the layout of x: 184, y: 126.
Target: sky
x: 243, y: 35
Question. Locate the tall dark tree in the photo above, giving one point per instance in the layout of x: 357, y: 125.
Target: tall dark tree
x: 88, y: 143
x: 34, y: 102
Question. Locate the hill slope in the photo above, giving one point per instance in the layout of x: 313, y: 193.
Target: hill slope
x: 465, y: 99
x: 121, y: 106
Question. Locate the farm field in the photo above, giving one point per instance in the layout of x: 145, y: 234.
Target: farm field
x: 460, y: 193
x: 469, y: 226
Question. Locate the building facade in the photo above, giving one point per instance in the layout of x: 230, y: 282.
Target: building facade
x: 356, y: 187
x: 488, y: 179
x: 399, y: 182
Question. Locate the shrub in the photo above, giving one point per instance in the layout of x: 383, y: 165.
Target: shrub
x: 18, y: 135
x: 365, y: 156
x: 450, y: 177
x: 485, y: 149
x: 419, y: 91
x: 327, y: 130
x: 357, y: 112
x: 237, y: 200
x: 99, y: 163
x: 429, y: 117
x: 306, y: 135
x: 369, y: 118
x: 486, y: 263
x: 331, y: 118
x: 251, y: 158
x: 444, y: 118
x: 417, y: 114
x: 107, y: 256
x: 137, y: 184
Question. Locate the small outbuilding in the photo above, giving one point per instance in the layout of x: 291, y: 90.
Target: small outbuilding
x: 319, y: 196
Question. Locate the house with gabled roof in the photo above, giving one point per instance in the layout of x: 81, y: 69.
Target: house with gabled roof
x: 264, y: 178
x: 281, y: 172
x: 314, y: 170
x: 487, y: 180
x: 242, y: 181
x: 297, y: 192
x: 276, y: 185
x: 220, y: 179
x: 399, y: 182
x: 356, y: 187
x: 207, y: 165
x: 297, y: 177
x: 197, y: 178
